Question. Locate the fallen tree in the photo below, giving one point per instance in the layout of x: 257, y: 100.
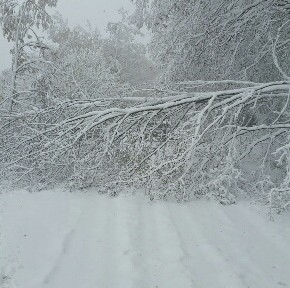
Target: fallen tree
x: 180, y: 144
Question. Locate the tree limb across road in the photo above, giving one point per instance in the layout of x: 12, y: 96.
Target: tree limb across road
x: 169, y: 139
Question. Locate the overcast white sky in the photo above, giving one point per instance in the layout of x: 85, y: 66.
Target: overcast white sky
x: 98, y: 12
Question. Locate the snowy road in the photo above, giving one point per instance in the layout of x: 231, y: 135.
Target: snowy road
x: 54, y: 239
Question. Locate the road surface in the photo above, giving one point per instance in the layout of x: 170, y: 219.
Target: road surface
x: 56, y: 239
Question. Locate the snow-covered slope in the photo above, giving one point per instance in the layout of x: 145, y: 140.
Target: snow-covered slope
x: 83, y: 240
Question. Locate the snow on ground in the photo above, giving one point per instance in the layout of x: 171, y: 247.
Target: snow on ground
x: 56, y: 239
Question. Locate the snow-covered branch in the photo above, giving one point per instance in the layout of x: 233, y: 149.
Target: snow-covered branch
x: 171, y: 141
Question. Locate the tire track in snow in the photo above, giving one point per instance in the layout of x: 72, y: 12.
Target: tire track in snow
x: 98, y: 242
x: 120, y: 223
x: 142, y: 239
x: 160, y: 247
x: 186, y: 255
x: 205, y: 262
x: 258, y: 239
x: 82, y: 246
x: 171, y: 249
x: 63, y: 251
x: 65, y: 247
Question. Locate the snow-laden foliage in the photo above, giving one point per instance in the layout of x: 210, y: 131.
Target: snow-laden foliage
x: 181, y: 145
x: 5, y: 85
x: 217, y: 40
x: 279, y: 197
x: 20, y: 22
x: 78, y: 119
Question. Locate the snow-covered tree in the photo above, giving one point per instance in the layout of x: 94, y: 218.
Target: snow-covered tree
x: 178, y: 144
x: 20, y: 21
x: 217, y: 40
x: 221, y: 139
